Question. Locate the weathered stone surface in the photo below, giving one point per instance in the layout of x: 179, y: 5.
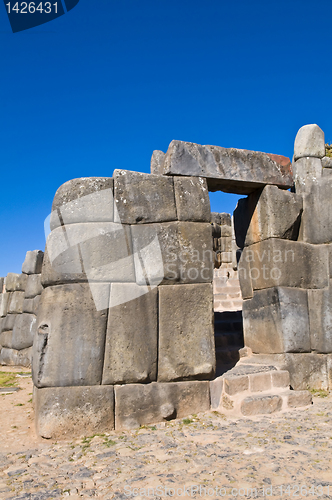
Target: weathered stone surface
x: 216, y: 390
x: 89, y: 199
x: 233, y: 170
x: 270, y: 213
x: 16, y: 282
x: 261, y: 405
x: 173, y: 252
x: 327, y: 162
x: 316, y: 224
x: 307, y: 371
x: 260, y: 382
x: 186, y: 336
x: 24, y: 331
x: 95, y: 252
x: 306, y: 172
x: 320, y: 314
x: 74, y: 411
x: 15, y: 305
x: 132, y: 335
x: 157, y: 160
x: 33, y: 262
x: 296, y: 399
x: 33, y: 287
x: 309, y: 141
x: 70, y: 339
x: 4, y: 301
x: 329, y: 370
x: 192, y: 199
x: 222, y: 218
x: 143, y: 198
x: 31, y: 305
x: 244, y: 274
x: 2, y: 283
x: 276, y: 320
x: 276, y: 262
x: 6, y: 340
x: 280, y: 378
x: 234, y: 385
x: 142, y: 404
x: 9, y: 322
x: 11, y: 357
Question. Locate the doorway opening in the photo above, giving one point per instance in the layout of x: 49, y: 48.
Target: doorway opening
x: 228, y: 323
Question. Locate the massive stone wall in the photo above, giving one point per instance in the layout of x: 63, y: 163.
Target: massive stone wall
x: 285, y: 267
x: 19, y: 300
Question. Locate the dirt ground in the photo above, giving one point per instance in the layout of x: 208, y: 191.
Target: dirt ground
x: 208, y: 455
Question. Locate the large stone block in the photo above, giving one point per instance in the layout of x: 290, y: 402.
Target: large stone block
x: 4, y: 301
x: 192, y: 199
x: 309, y: 141
x: 33, y: 262
x: 11, y: 357
x: 33, y: 287
x: 307, y: 371
x: 276, y: 262
x: 70, y: 339
x: 270, y: 213
x: 320, y: 314
x: 276, y: 320
x: 89, y: 199
x: 95, y: 252
x: 31, y: 305
x: 132, y: 335
x: 8, y: 322
x: 15, y: 305
x: 174, y: 252
x: 222, y: 218
x: 142, y: 404
x: 327, y: 162
x: 186, y: 333
x: 233, y: 170
x: 6, y: 340
x: 157, y: 160
x: 24, y: 331
x: 143, y: 198
x: 306, y: 172
x: 244, y: 274
x: 316, y: 224
x: 67, y: 412
x: 16, y: 282
x: 2, y: 283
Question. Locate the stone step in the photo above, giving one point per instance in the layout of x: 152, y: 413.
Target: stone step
x: 265, y: 404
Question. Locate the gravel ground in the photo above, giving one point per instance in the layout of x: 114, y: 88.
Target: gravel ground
x: 205, y: 456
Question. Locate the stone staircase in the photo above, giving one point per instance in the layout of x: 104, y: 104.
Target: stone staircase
x: 248, y: 390
x: 228, y: 339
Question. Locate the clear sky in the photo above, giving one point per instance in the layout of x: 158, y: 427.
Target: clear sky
x: 110, y: 81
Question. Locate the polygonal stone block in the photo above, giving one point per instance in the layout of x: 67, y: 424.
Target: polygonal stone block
x: 24, y: 331
x: 11, y: 357
x: 143, y: 404
x: 74, y: 411
x: 320, y: 314
x: 276, y: 320
x: 261, y: 405
x: 4, y: 301
x: 132, y: 335
x: 89, y: 199
x: 70, y: 339
x: 192, y: 199
x: 270, y: 213
x: 34, y: 286
x: 296, y: 399
x: 31, y: 305
x: 15, y: 305
x: 33, y: 262
x: 157, y: 160
x: 276, y: 262
x: 316, y: 224
x: 232, y: 170
x: 143, y: 198
x: 306, y: 172
x: 309, y: 141
x: 186, y: 336
x: 16, y: 282
x: 8, y: 322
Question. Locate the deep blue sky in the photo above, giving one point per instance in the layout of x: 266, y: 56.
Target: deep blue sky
x: 104, y: 85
